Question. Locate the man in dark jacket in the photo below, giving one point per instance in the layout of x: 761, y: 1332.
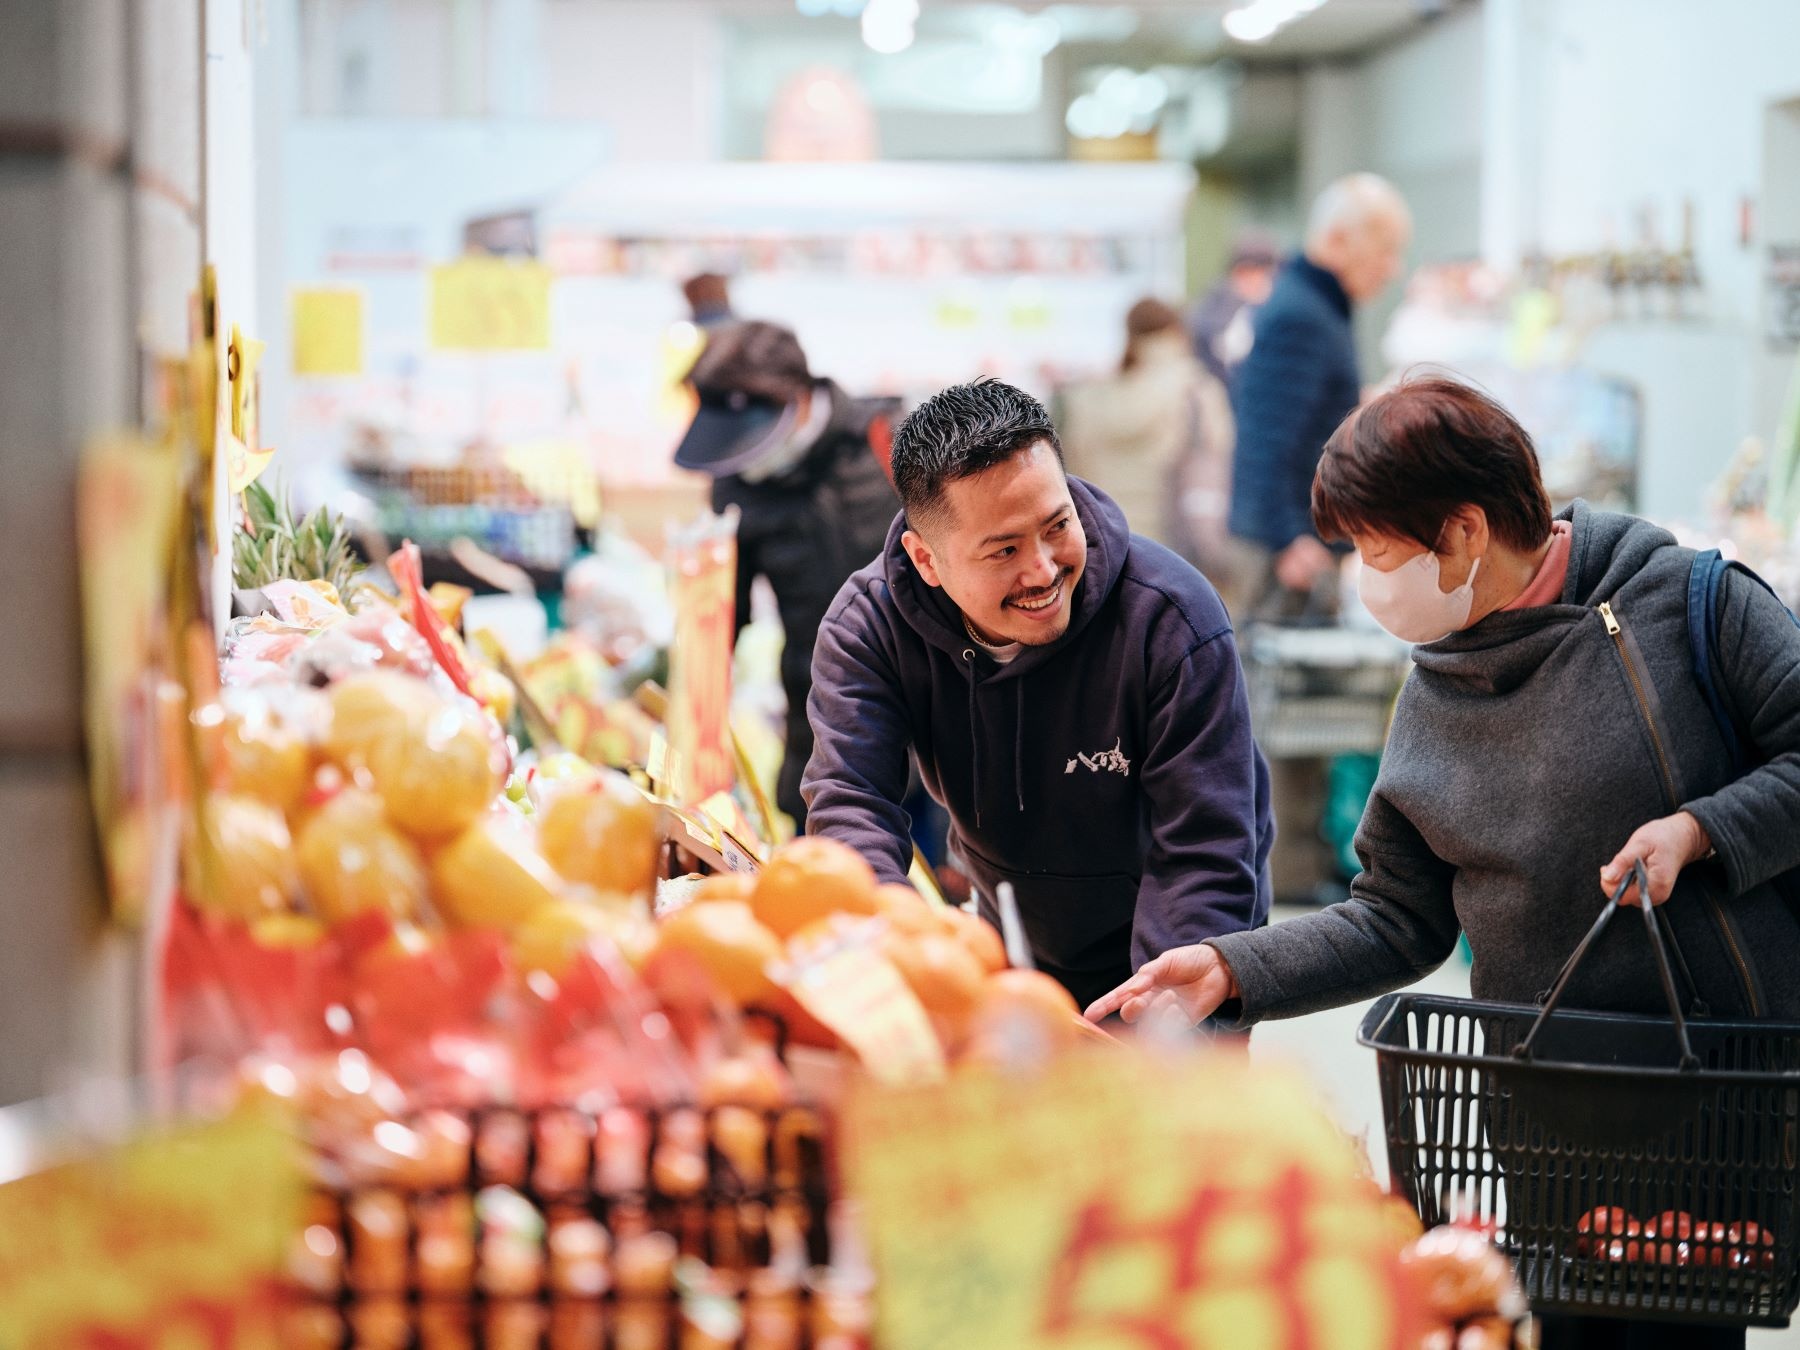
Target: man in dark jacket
x: 1071, y: 691
x: 796, y: 455
x: 1300, y: 380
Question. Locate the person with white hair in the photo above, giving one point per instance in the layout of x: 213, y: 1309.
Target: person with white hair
x: 1300, y: 380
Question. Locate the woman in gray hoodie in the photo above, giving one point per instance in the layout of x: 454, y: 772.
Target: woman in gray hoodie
x: 1552, y: 731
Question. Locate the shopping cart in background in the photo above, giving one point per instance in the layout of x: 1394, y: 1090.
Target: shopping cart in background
x: 1631, y: 1166
x: 1319, y: 692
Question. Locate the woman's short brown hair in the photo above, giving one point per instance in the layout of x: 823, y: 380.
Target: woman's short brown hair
x: 1407, y: 459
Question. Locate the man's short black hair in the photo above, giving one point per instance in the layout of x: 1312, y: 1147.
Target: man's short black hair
x: 959, y: 432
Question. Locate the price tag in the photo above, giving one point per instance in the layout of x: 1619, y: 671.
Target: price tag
x: 175, y: 1239
x: 1123, y: 1202
x: 856, y: 991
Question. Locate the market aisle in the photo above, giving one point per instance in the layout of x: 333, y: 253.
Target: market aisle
x: 1324, y: 1048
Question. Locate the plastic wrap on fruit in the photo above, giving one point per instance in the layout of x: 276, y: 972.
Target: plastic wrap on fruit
x: 260, y: 651
x: 1458, y: 1274
x: 268, y: 739
x: 594, y: 1035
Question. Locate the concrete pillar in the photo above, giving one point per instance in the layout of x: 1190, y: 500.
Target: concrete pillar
x: 80, y: 231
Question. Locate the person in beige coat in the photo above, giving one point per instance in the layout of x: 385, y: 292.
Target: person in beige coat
x: 1157, y: 438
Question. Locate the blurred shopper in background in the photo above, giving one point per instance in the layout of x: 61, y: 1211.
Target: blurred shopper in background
x: 792, y: 451
x: 1145, y: 434
x: 1221, y: 323
x: 709, y: 300
x: 1299, y: 381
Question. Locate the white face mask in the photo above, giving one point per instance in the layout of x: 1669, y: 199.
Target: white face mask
x: 1408, y: 603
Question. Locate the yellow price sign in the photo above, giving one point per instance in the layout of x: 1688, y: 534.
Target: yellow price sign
x: 327, y: 331
x: 481, y: 304
x: 175, y: 1239
x: 1121, y: 1202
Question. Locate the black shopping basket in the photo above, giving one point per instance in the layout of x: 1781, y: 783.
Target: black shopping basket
x: 1631, y: 1166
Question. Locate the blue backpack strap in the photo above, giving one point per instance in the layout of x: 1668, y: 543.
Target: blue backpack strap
x: 1704, y: 581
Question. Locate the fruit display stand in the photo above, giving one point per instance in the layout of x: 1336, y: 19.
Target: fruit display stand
x: 572, y: 1066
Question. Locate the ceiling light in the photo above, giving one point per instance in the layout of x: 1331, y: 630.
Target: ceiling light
x: 887, y: 25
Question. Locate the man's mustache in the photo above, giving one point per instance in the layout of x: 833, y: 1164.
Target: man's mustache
x: 1038, y: 593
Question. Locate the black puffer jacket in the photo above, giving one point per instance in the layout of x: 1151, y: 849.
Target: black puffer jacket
x: 807, y: 531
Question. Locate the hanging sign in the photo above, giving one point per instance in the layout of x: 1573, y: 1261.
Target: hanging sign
x: 483, y: 304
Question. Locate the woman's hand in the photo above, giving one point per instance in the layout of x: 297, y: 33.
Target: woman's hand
x: 1666, y: 846
x: 1194, y: 979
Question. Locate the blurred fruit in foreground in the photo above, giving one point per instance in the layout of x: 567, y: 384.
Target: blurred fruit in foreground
x: 352, y: 860
x: 491, y: 876
x: 366, y: 709
x: 287, y: 931
x: 437, y: 771
x: 605, y: 835
x: 552, y: 936
x: 909, y: 912
x: 725, y: 937
x: 809, y: 879
x: 943, y: 974
x: 266, y: 754
x: 253, y: 870
x: 981, y: 938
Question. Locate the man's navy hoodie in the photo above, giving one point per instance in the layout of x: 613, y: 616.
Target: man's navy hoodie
x: 1110, y: 775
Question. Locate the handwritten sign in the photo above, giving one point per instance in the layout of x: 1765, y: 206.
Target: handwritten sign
x: 172, y: 1240
x: 703, y: 584
x: 1123, y: 1202
x: 482, y: 304
x: 847, y: 984
x: 328, y: 331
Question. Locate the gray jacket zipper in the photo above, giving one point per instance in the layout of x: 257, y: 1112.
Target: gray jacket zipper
x: 1721, y: 918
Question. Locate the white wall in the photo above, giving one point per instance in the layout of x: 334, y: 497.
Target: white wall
x: 1608, y: 109
x: 1414, y: 114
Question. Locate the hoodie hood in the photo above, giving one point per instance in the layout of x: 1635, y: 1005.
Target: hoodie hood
x: 1606, y: 550
x: 934, y: 616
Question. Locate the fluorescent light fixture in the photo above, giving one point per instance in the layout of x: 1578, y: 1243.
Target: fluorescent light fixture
x: 1260, y: 20
x: 887, y: 25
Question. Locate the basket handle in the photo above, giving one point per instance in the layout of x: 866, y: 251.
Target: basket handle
x: 1689, y: 1061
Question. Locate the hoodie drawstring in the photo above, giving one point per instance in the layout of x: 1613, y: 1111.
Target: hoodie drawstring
x: 974, y: 741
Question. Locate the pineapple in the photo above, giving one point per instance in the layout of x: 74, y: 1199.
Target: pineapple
x: 270, y: 546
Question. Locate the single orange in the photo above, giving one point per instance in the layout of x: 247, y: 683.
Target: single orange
x: 980, y: 937
x: 726, y: 939
x: 1029, y: 989
x: 909, y: 912
x: 606, y: 835
x: 726, y: 886
x: 810, y: 878
x: 942, y: 972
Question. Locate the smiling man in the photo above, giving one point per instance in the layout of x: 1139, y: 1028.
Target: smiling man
x: 1071, y: 691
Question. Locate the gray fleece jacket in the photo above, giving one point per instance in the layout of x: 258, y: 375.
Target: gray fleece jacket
x: 1524, y: 752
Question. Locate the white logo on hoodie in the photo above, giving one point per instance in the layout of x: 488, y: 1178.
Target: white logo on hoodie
x: 1107, y: 761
